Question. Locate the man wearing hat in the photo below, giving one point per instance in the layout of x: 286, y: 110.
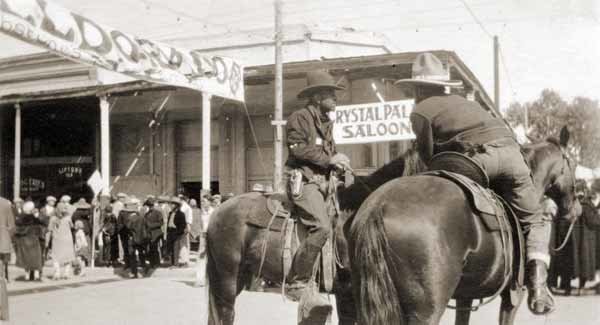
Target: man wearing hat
x: 131, y: 206
x: 312, y: 155
x: 154, y: 222
x: 445, y: 122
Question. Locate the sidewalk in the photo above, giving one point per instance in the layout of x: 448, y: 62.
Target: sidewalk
x: 100, y: 274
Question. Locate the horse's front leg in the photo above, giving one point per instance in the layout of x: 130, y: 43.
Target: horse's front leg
x: 463, y: 311
x: 508, y: 308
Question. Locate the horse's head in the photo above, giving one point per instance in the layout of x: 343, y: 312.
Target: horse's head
x: 554, y: 173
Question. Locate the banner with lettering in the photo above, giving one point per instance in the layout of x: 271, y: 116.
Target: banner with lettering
x: 45, y: 24
x: 373, y: 122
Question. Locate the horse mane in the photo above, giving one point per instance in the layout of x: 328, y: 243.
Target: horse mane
x: 406, y: 164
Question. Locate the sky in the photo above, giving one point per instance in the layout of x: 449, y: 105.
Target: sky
x: 544, y: 43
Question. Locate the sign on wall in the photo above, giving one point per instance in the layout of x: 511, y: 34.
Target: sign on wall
x: 48, y: 25
x: 373, y: 122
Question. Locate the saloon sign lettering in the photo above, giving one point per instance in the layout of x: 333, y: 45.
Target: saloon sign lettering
x: 45, y: 24
x: 374, y: 122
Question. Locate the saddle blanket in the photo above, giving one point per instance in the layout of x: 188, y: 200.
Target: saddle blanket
x: 262, y: 214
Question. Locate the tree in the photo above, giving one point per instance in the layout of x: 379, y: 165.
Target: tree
x: 550, y: 112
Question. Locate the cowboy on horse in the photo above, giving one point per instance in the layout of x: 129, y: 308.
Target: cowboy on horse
x: 446, y: 122
x: 312, y: 155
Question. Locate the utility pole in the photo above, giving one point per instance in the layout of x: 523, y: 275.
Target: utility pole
x: 497, y: 74
x: 278, y: 116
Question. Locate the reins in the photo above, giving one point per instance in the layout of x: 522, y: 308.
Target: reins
x: 572, y: 223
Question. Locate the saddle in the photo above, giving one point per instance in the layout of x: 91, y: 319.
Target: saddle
x: 278, y: 215
x: 495, y: 213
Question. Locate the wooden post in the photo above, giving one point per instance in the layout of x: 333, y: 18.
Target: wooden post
x: 206, y: 141
x: 105, y: 144
x: 278, y: 116
x: 104, y: 167
x: 497, y: 74
x: 17, y: 173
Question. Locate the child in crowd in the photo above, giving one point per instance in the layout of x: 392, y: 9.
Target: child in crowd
x: 81, y: 247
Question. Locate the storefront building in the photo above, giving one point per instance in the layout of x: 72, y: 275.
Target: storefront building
x: 156, y: 133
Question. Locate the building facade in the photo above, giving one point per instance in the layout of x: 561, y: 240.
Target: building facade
x: 156, y: 133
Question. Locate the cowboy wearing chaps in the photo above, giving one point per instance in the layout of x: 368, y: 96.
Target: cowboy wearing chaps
x: 312, y: 155
x: 444, y: 122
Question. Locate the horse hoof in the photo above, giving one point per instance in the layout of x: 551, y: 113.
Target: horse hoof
x: 541, y: 308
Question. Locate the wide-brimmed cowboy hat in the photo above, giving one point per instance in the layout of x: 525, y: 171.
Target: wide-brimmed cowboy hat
x: 131, y: 204
x: 316, y: 81
x: 82, y: 204
x: 427, y: 69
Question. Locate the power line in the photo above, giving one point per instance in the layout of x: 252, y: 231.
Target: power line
x: 202, y: 20
x: 476, y: 19
x: 503, y: 61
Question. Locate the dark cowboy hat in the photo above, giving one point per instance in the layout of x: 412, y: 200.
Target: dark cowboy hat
x: 429, y: 70
x: 316, y: 81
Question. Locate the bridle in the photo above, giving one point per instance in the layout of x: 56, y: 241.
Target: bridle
x: 566, y: 163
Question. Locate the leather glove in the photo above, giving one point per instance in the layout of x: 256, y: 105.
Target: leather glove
x: 339, y: 160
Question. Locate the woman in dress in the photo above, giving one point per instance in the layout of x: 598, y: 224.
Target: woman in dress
x: 63, y: 252
x: 29, y: 238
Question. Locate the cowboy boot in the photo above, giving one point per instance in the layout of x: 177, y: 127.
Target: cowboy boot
x: 539, y: 300
x: 301, y: 270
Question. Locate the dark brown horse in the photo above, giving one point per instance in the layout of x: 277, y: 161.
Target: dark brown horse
x: 234, y: 247
x: 415, y: 244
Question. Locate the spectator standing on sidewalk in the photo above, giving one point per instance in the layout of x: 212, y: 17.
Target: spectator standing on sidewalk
x: 177, y: 228
x: 138, y: 240
x: 7, y: 229
x: 154, y: 221
x: 46, y: 213
x: 184, y: 240
x: 83, y: 212
x: 28, y: 243
x: 110, y: 237
x: 131, y: 207
x: 63, y: 252
x: 82, y: 247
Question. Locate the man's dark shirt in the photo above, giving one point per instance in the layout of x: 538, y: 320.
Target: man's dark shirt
x: 154, y: 221
x: 439, y: 120
x: 310, y: 141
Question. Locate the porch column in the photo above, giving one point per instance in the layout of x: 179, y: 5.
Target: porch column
x: 105, y: 144
x: 206, y: 141
x: 17, y: 174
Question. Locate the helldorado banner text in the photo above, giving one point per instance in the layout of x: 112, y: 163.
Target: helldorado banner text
x: 45, y: 24
x: 373, y: 122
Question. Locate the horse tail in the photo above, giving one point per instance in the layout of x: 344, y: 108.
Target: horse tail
x: 378, y: 302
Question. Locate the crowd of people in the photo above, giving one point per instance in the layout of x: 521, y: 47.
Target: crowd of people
x: 579, y: 258
x: 128, y: 233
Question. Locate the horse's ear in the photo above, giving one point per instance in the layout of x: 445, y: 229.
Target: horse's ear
x: 564, y: 136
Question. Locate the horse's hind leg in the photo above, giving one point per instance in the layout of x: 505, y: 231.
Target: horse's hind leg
x: 223, y: 286
x: 463, y: 311
x: 508, y: 308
